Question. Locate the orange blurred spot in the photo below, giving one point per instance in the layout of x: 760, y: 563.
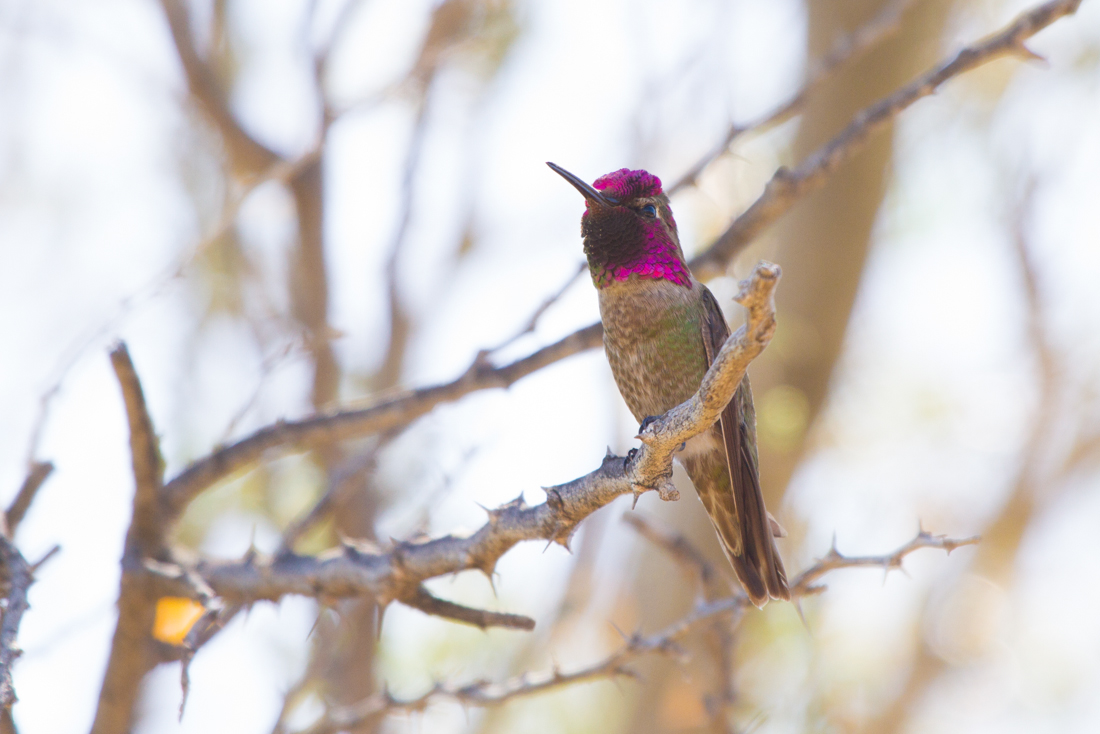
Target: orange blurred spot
x: 175, y: 617
x: 682, y: 707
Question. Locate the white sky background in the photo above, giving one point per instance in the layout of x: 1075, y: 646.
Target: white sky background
x: 927, y: 417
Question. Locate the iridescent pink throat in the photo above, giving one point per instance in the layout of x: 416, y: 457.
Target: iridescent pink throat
x: 659, y: 260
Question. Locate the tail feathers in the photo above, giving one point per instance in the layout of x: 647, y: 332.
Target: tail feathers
x: 758, y: 534
x: 747, y: 537
x: 756, y: 561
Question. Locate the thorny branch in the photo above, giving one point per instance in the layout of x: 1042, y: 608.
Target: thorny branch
x: 666, y: 642
x: 132, y: 654
x: 785, y: 188
x: 1002, y: 534
x: 788, y: 186
x: 18, y: 578
x: 804, y: 584
x: 40, y: 471
x: 719, y: 633
x: 850, y: 46
x: 533, y: 321
x: 383, y: 416
x: 398, y: 574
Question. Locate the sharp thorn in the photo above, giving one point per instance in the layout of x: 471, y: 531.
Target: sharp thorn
x: 798, y: 608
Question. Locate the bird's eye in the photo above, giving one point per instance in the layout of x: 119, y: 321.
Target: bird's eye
x: 649, y: 210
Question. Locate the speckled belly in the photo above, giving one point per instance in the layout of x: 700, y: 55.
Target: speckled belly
x: 659, y: 361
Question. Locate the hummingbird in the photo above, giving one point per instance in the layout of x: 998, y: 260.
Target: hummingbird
x: 661, y: 331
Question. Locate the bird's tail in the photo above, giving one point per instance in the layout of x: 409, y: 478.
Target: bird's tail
x: 746, y: 530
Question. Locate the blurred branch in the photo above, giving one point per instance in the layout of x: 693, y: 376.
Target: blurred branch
x: 247, y: 154
x: 132, y: 655
x: 323, y: 55
x: 389, y: 373
x: 1002, y: 535
x: 17, y: 510
x: 484, y: 693
x: 281, y: 171
x: 18, y: 578
x: 788, y: 186
x: 145, y: 532
x: 719, y: 633
x: 680, y: 548
x: 846, y: 48
x: 341, y: 481
x: 383, y: 416
x: 804, y: 584
x: 529, y: 327
x: 398, y: 575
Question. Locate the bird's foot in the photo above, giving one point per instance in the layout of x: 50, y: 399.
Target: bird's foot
x: 629, y: 457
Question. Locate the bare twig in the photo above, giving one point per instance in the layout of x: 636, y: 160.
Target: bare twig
x: 484, y: 693
x: 863, y: 39
x: 804, y: 584
x: 683, y: 550
x: 788, y: 186
x: 383, y: 416
x: 210, y: 624
x: 1004, y: 532
x: 719, y: 633
x: 17, y: 510
x: 247, y: 153
x: 132, y: 654
x: 423, y: 600
x: 19, y: 579
x: 529, y: 327
x: 341, y: 481
x: 389, y: 373
x: 148, y: 465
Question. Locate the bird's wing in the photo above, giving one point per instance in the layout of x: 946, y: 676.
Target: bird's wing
x: 752, y: 552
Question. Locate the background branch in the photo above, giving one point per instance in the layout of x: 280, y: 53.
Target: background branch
x: 804, y: 584
x: 882, y: 25
x: 788, y: 186
x: 18, y: 580
x: 17, y: 510
x: 665, y: 642
x: 132, y: 655
x: 248, y: 155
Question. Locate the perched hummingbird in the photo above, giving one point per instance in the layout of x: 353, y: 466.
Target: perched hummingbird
x: 661, y: 329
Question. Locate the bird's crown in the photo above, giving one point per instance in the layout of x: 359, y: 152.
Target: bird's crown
x: 626, y: 184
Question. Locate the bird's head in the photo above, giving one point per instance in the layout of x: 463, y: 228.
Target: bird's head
x: 628, y: 228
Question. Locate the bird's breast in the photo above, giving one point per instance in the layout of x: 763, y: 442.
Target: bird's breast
x: 653, y: 338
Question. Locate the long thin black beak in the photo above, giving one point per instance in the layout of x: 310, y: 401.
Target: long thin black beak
x: 589, y: 193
